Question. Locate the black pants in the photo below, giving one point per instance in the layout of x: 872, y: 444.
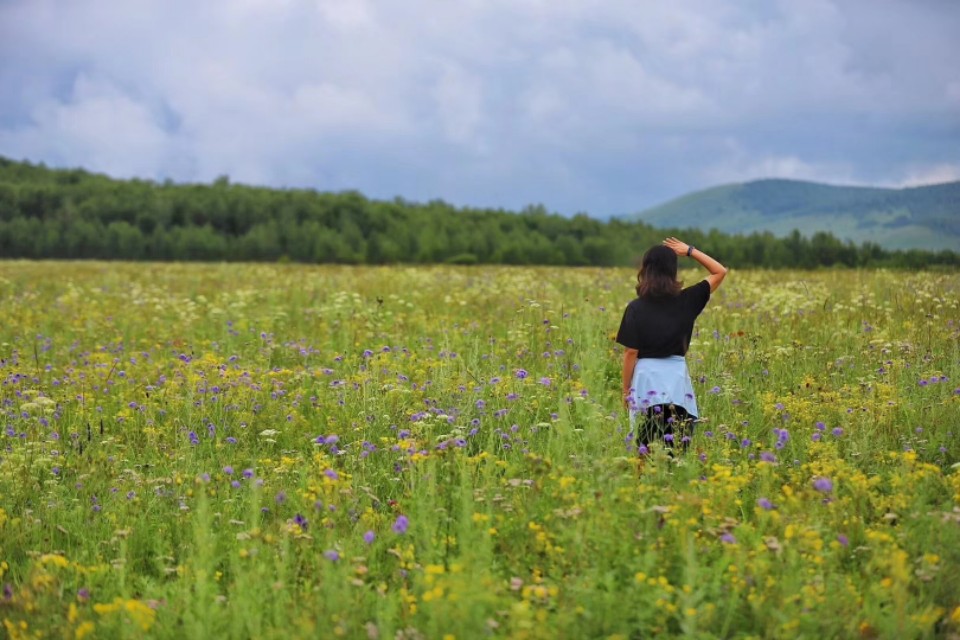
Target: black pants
x: 660, y: 420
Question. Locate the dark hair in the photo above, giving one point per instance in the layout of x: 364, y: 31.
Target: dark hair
x: 658, y: 273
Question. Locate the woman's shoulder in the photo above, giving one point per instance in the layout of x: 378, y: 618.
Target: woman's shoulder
x: 696, y: 288
x: 635, y: 302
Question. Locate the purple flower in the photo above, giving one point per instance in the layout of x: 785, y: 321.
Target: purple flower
x: 643, y: 450
x: 83, y: 594
x: 331, y: 555
x: 330, y: 473
x: 728, y: 538
x: 401, y: 524
x: 7, y: 591
x: 765, y: 504
x: 235, y: 484
x: 821, y: 427
x: 281, y: 497
x: 766, y: 456
x: 745, y: 443
x: 228, y: 470
x: 545, y: 381
x: 816, y: 437
x: 842, y: 539
x: 300, y: 521
x: 521, y: 374
x: 248, y: 473
x: 194, y: 438
x: 369, y: 537
x: 715, y: 390
x: 824, y: 485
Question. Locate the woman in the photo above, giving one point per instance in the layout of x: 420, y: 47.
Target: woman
x: 656, y: 330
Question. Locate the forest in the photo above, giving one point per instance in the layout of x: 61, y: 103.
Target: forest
x: 75, y: 214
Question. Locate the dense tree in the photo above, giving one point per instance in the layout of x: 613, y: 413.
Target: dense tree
x: 46, y: 213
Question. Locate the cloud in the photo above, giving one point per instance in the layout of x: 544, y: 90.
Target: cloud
x: 96, y: 125
x: 459, y: 102
x: 742, y: 167
x: 930, y: 174
x: 581, y: 105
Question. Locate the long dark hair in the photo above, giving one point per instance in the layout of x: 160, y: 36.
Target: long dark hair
x: 658, y: 274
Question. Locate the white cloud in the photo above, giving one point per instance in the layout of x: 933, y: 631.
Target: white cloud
x: 929, y: 174
x: 739, y: 165
x: 97, y: 126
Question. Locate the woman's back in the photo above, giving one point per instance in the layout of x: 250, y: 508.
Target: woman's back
x: 661, y: 326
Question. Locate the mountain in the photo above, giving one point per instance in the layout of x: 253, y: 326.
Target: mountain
x: 914, y: 218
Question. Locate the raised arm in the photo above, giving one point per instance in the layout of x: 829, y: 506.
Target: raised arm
x: 717, y: 270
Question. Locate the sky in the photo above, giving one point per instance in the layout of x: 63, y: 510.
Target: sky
x: 586, y: 106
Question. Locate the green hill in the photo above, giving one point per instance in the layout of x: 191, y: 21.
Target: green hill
x: 915, y: 218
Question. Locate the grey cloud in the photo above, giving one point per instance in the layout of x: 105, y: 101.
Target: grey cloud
x: 605, y: 107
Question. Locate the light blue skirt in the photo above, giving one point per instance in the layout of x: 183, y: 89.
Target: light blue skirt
x: 662, y: 381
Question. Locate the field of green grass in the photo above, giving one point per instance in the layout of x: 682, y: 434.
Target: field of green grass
x: 274, y: 451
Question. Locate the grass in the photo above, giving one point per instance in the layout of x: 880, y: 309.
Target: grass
x: 261, y: 451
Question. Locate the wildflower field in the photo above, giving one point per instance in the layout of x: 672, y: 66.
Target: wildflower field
x: 281, y: 451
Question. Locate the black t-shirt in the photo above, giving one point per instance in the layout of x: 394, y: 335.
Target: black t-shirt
x: 661, y: 327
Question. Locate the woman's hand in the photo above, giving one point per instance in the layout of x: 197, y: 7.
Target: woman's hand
x: 717, y: 270
x: 679, y: 248
x: 629, y: 362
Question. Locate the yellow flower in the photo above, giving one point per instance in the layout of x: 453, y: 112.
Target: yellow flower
x: 54, y: 559
x: 83, y: 630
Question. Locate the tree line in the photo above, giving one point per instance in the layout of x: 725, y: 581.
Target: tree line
x: 75, y: 214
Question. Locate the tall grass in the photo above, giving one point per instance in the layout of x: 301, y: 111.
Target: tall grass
x: 197, y: 451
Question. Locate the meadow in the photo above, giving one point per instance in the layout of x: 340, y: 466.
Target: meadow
x: 282, y: 451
